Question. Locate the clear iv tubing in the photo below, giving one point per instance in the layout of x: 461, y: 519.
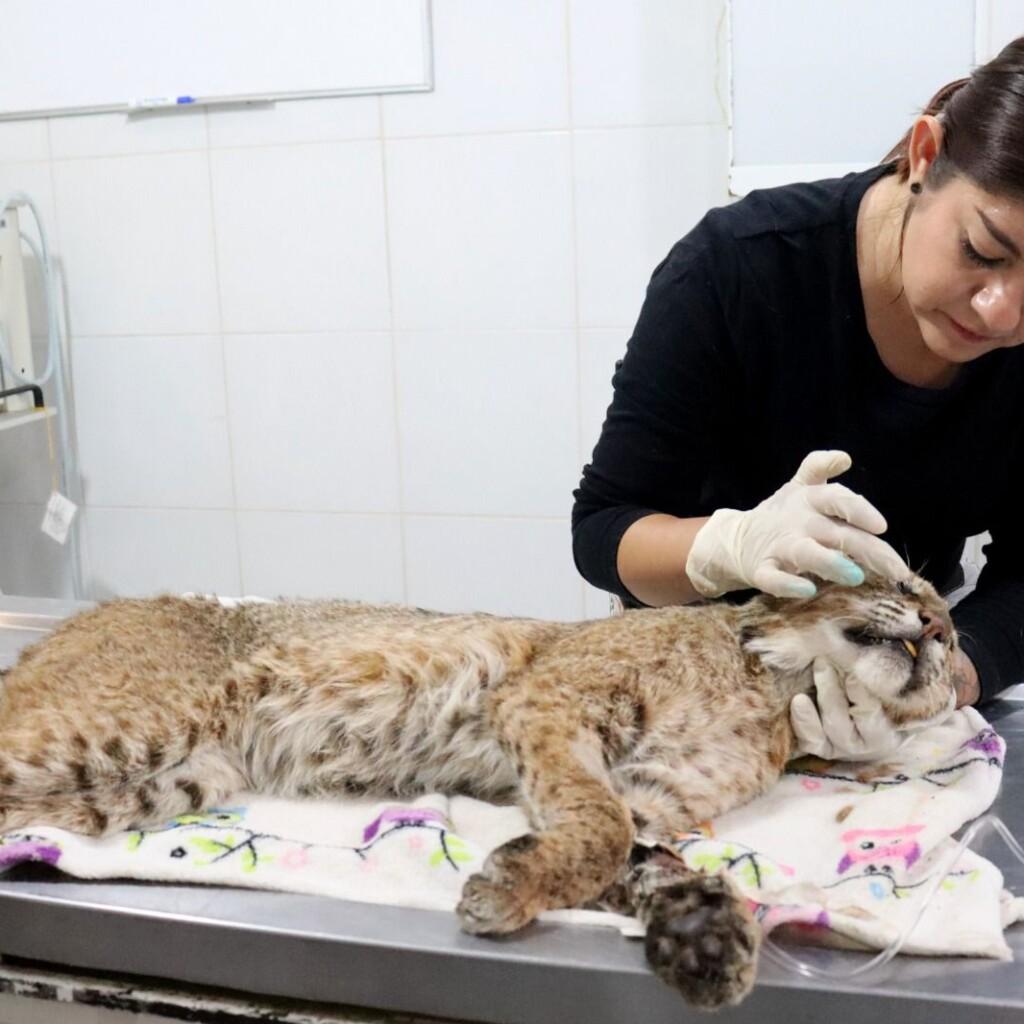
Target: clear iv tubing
x: 783, y: 958
x: 12, y: 201
x: 54, y: 366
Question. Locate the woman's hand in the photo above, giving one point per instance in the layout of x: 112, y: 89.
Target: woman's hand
x: 965, y: 680
x: 847, y: 723
x: 807, y: 526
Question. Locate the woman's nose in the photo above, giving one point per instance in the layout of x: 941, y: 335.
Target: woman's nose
x: 1001, y: 309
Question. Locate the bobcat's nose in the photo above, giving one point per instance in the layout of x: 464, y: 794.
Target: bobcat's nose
x: 931, y: 627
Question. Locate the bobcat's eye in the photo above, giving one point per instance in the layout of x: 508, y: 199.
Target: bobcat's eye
x: 863, y: 635
x: 904, y: 588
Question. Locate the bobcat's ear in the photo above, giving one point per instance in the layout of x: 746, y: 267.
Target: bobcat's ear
x: 786, y: 650
x: 748, y: 633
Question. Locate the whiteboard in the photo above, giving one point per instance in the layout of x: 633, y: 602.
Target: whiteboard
x: 92, y: 56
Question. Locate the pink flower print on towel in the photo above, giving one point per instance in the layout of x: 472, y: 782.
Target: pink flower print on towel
x: 404, y: 816
x: 297, y: 857
x: 802, y: 916
x: 871, y: 845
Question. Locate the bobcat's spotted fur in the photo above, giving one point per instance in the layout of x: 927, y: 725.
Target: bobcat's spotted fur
x: 644, y: 723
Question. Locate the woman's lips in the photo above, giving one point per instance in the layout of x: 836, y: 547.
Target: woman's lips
x: 967, y: 335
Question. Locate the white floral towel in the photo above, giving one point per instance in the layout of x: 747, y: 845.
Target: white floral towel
x: 851, y: 849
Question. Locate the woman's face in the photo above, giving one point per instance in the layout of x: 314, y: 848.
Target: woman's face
x: 963, y: 270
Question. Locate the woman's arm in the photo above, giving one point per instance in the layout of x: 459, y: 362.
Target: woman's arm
x: 652, y: 557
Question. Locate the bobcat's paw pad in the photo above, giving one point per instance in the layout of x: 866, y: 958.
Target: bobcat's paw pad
x: 702, y: 940
x: 491, y: 908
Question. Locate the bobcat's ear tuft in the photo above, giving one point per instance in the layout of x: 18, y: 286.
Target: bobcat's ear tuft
x: 784, y: 649
x: 748, y: 633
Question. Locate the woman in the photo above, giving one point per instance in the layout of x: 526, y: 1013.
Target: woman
x: 879, y: 315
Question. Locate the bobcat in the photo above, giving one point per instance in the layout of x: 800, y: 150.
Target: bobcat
x: 607, y: 732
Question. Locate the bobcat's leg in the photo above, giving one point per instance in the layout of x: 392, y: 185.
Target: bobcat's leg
x: 583, y: 836
x: 701, y: 937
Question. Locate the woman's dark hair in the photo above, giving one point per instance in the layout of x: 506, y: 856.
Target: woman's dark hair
x: 983, y: 128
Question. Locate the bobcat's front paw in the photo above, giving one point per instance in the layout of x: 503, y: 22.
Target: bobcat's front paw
x: 702, y: 940
x: 502, y: 897
x: 491, y: 908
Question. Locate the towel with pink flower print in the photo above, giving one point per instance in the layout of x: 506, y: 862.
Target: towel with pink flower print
x: 850, y: 851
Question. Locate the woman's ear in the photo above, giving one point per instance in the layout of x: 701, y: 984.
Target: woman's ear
x: 924, y: 146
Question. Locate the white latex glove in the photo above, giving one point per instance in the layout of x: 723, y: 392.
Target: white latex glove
x: 848, y: 723
x: 807, y: 525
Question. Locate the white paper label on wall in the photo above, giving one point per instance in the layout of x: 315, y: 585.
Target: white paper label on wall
x: 59, y: 513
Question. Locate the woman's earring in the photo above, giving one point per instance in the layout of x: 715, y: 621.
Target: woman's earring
x: 916, y: 188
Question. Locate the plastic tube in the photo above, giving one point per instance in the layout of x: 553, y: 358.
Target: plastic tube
x: 55, y: 358
x: 784, y: 958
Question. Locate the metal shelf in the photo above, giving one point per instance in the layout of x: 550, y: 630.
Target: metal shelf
x: 9, y: 420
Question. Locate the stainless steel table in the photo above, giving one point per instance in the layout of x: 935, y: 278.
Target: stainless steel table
x: 390, y: 958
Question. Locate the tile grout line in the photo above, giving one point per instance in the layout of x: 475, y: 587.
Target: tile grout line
x: 402, y: 539
x: 341, y: 140
x: 232, y: 475
x: 573, y: 228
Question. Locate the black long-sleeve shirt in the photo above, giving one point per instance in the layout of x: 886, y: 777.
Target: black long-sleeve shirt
x: 751, y: 350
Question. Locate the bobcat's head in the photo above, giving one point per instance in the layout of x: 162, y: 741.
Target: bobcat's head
x: 895, y: 637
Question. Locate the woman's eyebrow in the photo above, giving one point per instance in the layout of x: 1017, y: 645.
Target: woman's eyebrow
x: 998, y: 235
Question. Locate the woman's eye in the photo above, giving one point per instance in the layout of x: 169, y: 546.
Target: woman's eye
x: 975, y: 257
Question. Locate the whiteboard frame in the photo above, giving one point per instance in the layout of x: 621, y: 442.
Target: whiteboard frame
x: 248, y: 99
x: 745, y: 178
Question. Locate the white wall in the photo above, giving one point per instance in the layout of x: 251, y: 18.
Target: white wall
x: 362, y: 346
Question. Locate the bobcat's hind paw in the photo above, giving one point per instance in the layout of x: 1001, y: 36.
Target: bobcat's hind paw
x: 702, y: 940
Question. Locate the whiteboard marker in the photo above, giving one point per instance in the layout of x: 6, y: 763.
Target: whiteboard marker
x: 156, y: 102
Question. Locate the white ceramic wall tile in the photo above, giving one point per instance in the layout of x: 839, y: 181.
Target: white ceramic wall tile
x: 639, y: 190
x: 137, y: 244
x: 23, y: 140
x: 648, y: 62
x: 480, y: 231
x: 487, y: 422
x: 504, y: 566
x: 328, y: 119
x: 301, y: 554
x: 313, y: 422
x: 599, y: 351
x: 136, y: 552
x: 31, y: 563
x: 300, y: 237
x: 464, y: 243
x: 155, y: 131
x: 25, y: 469
x: 1006, y: 23
x: 497, y: 67
x: 152, y: 427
